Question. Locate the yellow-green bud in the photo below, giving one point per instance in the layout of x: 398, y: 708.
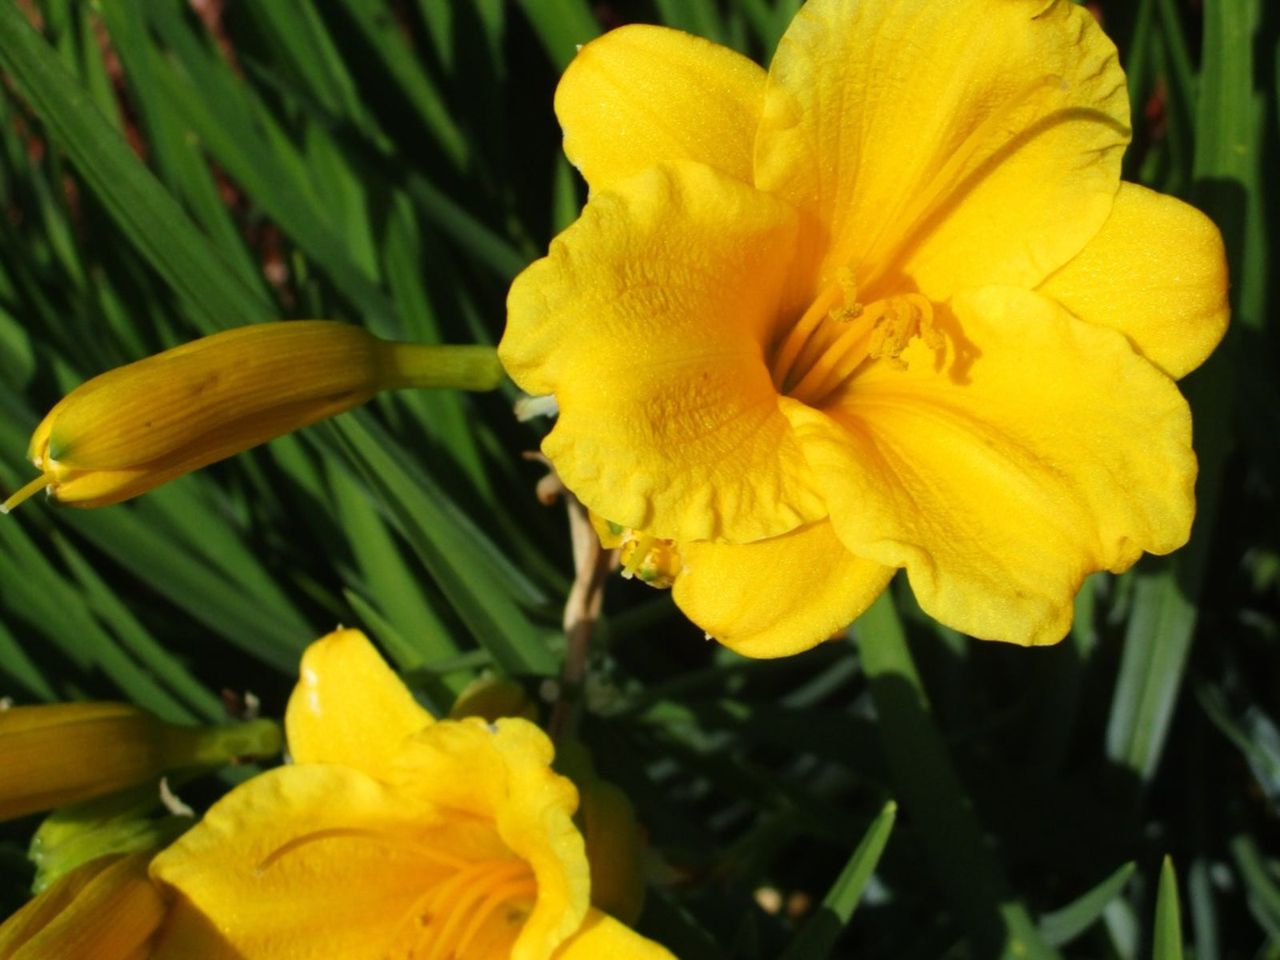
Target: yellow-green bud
x: 133, y: 428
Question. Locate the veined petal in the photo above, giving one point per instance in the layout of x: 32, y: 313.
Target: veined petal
x: 1157, y: 272
x: 349, y: 708
x: 642, y: 95
x: 309, y: 862
x: 648, y: 322
x: 1039, y: 450
x: 602, y: 936
x: 951, y: 144
x: 778, y: 596
x: 501, y: 774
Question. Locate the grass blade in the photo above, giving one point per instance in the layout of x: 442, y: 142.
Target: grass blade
x: 148, y: 216
x: 931, y: 794
x: 469, y: 570
x: 562, y: 26
x: 815, y: 940
x: 1168, y: 932
x: 1062, y: 926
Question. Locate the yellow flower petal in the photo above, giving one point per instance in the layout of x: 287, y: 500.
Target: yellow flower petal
x: 954, y: 144
x: 349, y: 707
x: 642, y: 95
x: 107, y: 909
x: 778, y: 596
x: 1157, y: 272
x: 602, y: 936
x: 308, y: 862
x: 1001, y: 478
x: 647, y: 321
x: 501, y: 774
x: 187, y: 933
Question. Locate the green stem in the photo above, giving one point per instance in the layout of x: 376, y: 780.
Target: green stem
x: 425, y: 366
x: 930, y: 792
x: 217, y: 746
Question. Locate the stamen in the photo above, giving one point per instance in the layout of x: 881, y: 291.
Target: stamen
x: 482, y: 889
x: 654, y: 560
x: 517, y: 888
x: 479, y: 877
x: 642, y: 545
x: 885, y: 329
x: 799, y: 334
x: 844, y: 355
x: 26, y: 493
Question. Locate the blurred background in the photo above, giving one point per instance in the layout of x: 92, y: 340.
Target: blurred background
x: 171, y: 168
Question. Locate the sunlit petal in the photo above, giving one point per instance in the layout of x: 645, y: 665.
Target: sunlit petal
x: 647, y: 322
x: 642, y: 95
x: 951, y: 144
x: 1157, y: 272
x: 1040, y: 450
x: 348, y: 707
x: 778, y: 596
x: 308, y: 862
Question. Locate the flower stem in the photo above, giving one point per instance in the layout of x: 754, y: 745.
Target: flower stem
x: 423, y: 366
x: 28, y: 491
x: 218, y: 746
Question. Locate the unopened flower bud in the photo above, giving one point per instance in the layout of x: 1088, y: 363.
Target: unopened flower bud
x: 59, y: 754
x: 133, y: 428
x: 108, y: 909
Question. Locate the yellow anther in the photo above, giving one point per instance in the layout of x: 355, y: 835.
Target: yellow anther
x: 656, y: 562
x: 903, y: 319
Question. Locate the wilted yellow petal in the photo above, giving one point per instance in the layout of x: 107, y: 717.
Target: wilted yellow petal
x: 778, y: 596
x: 648, y: 322
x: 944, y: 145
x: 348, y: 707
x: 1038, y: 450
x: 642, y: 95
x: 1157, y: 272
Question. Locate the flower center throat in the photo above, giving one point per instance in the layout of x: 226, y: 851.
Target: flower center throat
x: 838, y: 334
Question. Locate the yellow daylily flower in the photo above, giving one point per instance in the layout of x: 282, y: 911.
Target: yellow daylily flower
x: 887, y: 306
x: 131, y: 429
x: 391, y: 836
x: 54, y: 755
